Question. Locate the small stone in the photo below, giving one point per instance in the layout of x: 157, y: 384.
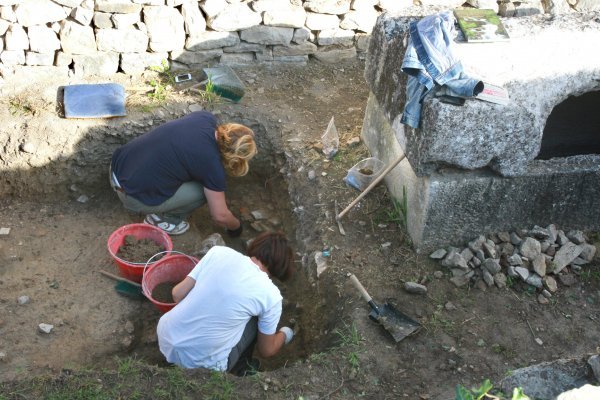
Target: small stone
x: 259, y: 214
x: 522, y: 272
x: 45, y: 328
x: 4, y: 231
x: 27, y: 147
x: 83, y: 198
x: 504, y: 236
x: 567, y: 279
x: 415, y: 288
x: 438, y: 254
x: 312, y: 175
x: 449, y: 306
x: 129, y: 327
x: 23, y: 300
x: 539, y: 341
x: 500, y: 280
x: 576, y: 237
x: 546, y: 294
x: 2, y: 356
x: 542, y: 299
x: 515, y: 239
x: 438, y: 274
x: 353, y: 141
x: 550, y: 284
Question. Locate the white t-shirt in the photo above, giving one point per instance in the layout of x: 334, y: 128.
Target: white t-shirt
x: 230, y: 289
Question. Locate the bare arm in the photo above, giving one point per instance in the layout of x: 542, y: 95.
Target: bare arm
x: 182, y: 289
x: 269, y: 345
x: 219, y: 211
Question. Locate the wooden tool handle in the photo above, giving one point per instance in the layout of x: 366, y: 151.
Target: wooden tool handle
x: 119, y: 278
x: 360, y: 288
x: 371, y: 186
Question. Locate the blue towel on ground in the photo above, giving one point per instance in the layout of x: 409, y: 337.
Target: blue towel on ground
x: 101, y: 100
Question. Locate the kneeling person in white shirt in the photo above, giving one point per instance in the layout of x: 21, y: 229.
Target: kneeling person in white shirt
x: 227, y: 305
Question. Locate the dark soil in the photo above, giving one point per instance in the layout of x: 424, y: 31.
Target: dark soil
x: 163, y: 292
x: 139, y: 250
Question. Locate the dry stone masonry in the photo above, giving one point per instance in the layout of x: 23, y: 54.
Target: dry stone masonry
x: 102, y: 37
x: 541, y: 258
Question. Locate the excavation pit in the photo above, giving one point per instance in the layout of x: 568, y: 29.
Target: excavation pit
x: 56, y: 261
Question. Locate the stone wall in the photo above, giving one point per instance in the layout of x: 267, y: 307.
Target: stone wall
x: 101, y: 37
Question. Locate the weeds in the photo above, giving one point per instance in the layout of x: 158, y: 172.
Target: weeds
x: 349, y: 336
x: 161, y: 85
x: 437, y: 322
x: 590, y: 276
x: 399, y: 212
x: 218, y: 387
x: 483, y: 392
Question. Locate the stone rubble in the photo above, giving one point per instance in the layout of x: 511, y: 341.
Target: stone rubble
x: 538, y: 257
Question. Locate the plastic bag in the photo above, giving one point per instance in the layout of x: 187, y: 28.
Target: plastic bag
x: 364, y: 172
x: 330, y: 140
x: 225, y: 82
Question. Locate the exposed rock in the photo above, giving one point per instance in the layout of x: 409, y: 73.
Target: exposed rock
x: 565, y: 255
x: 530, y: 248
x: 438, y: 254
x: 415, y: 288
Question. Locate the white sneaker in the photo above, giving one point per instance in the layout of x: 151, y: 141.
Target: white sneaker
x: 171, y: 229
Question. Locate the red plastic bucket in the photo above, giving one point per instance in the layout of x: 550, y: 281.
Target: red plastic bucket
x: 172, y: 268
x: 134, y: 270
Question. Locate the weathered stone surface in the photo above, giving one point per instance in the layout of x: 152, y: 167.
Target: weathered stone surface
x: 455, y: 260
x: 211, y: 40
x: 77, y: 39
x: 234, y: 17
x: 363, y: 4
x: 491, y: 265
x: 12, y: 57
x: 333, y: 54
x: 117, y: 6
x: 318, y: 22
x: 547, y: 380
x: 337, y: 36
x: 165, y: 28
x: 294, y: 49
x: 193, y: 19
x: 123, y: 21
x: 539, y: 265
x: 212, y: 7
x: 82, y: 15
x: 530, y: 248
x: 132, y: 63
x: 237, y: 58
x: 33, y: 58
x: 268, y: 35
x: 101, y: 64
x: 196, y: 58
x: 39, y: 12
x: 244, y: 47
x: 42, y: 39
x: 362, y: 20
x: 565, y: 255
x: 121, y: 40
x: 103, y: 20
x: 16, y: 38
x: 3, y: 26
x: 291, y: 17
x: 334, y: 7
x: 301, y: 35
x: 488, y: 4
x: 502, y: 145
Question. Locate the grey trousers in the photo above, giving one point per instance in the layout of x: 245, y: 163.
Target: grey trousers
x: 241, y: 353
x: 175, y: 209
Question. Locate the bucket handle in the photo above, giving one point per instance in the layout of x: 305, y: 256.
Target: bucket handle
x: 145, y: 290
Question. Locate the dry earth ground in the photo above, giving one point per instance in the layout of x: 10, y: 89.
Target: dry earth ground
x: 56, y: 246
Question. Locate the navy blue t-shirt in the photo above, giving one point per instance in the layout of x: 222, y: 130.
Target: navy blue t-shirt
x: 151, y: 167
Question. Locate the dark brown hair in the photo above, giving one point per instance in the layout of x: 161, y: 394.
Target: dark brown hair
x: 272, y: 249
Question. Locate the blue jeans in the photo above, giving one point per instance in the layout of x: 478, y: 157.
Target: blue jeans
x: 430, y: 62
x: 175, y: 209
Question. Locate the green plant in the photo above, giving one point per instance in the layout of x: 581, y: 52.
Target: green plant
x: 161, y: 85
x: 590, y: 276
x: 353, y: 360
x: 19, y: 106
x: 219, y: 387
x: 437, y: 322
x: 483, y: 392
x: 349, y: 335
x: 399, y: 212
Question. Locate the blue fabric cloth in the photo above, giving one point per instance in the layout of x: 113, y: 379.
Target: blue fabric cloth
x: 431, y: 63
x: 101, y: 100
x: 153, y: 166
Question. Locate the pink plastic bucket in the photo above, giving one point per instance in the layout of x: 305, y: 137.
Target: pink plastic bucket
x: 172, y: 268
x: 134, y: 270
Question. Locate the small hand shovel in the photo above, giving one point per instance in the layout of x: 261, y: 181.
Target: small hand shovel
x: 125, y: 286
x: 395, y: 322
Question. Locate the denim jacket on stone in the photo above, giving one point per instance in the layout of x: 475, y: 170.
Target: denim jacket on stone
x: 431, y: 63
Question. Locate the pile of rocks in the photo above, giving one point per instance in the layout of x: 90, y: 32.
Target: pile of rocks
x: 540, y: 257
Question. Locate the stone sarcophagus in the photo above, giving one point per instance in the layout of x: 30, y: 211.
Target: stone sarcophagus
x: 482, y: 167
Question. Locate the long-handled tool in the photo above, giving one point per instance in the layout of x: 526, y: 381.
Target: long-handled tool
x: 371, y: 186
x: 394, y: 321
x: 125, y: 286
